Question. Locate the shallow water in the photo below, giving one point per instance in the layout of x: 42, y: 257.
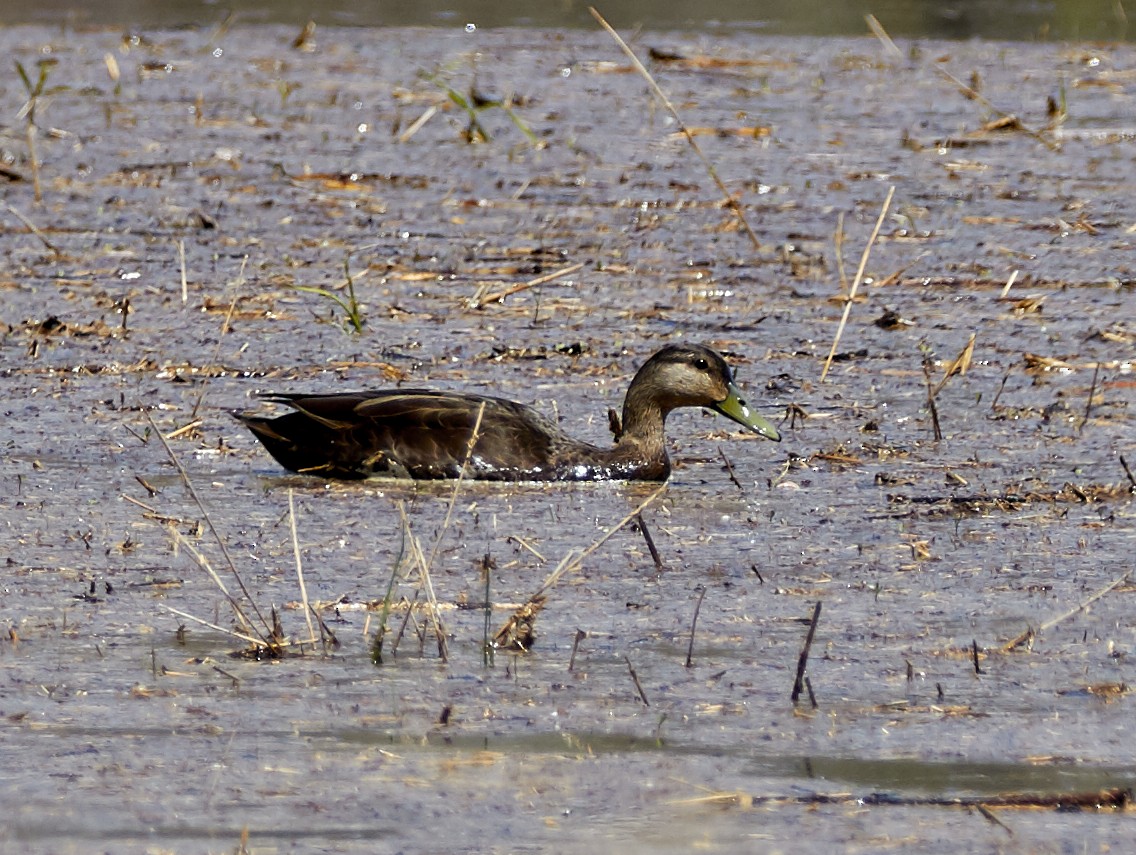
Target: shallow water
x: 275, y: 166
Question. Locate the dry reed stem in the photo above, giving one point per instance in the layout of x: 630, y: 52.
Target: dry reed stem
x: 479, y: 301
x: 1009, y: 284
x: 880, y: 33
x: 958, y: 365
x: 248, y: 639
x: 571, y: 562
x: 1084, y: 604
x: 33, y: 229
x: 856, y: 282
x: 419, y: 558
x: 216, y: 535
x: 184, y: 280
x: 731, y: 202
x: 969, y: 92
x: 299, y: 564
x: 221, y: 338
x: 417, y: 124
x: 635, y: 680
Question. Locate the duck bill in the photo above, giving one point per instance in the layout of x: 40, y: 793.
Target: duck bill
x: 734, y: 407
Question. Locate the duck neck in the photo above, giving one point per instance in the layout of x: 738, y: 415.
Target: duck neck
x: 643, y: 421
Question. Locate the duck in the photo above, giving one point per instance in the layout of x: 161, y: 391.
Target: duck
x: 426, y: 434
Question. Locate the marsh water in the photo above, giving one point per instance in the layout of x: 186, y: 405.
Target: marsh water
x: 941, y: 501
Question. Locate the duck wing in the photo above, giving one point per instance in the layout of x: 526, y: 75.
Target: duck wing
x: 414, y: 433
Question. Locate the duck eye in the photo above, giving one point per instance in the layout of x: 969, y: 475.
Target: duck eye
x: 701, y: 364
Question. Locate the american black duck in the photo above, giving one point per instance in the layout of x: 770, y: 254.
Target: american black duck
x: 418, y: 433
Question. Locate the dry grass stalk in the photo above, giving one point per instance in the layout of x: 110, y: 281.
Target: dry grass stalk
x: 184, y: 280
x: 958, y: 365
x: 248, y: 639
x: 851, y: 295
x: 693, y: 624
x: 419, y: 559
x: 480, y: 300
x: 728, y: 197
x: 33, y: 229
x: 1009, y: 284
x: 568, y: 564
x: 299, y: 563
x: 221, y: 338
x: 803, y: 658
x: 1029, y: 634
x: 1007, y: 119
x: 216, y: 536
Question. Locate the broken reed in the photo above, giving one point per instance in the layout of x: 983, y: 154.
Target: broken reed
x: 727, y: 197
x: 803, y: 659
x: 269, y: 638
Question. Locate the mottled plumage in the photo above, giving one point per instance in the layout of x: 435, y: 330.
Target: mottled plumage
x: 418, y: 433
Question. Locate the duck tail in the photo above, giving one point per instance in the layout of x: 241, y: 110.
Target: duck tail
x: 293, y: 443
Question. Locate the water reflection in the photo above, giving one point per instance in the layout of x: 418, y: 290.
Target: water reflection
x: 962, y: 19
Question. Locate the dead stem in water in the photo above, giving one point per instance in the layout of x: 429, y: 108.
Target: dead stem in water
x: 1031, y: 633
x: 419, y: 559
x: 221, y: 545
x: 1118, y: 799
x: 568, y: 564
x: 803, y: 658
x: 693, y: 624
x: 728, y: 197
x: 481, y: 299
x: 1006, y: 119
x: 33, y: 229
x: 221, y: 338
x: 299, y: 563
x: 851, y: 295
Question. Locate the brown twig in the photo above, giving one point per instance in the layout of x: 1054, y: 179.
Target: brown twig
x: 580, y: 636
x: 974, y: 656
x: 1128, y: 472
x: 731, y: 202
x: 1089, y: 402
x: 803, y: 658
x: 730, y: 469
x: 937, y: 431
x: 650, y: 541
x: 693, y: 624
x: 851, y: 295
x: 635, y: 680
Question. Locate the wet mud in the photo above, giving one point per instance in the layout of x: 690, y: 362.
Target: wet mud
x: 513, y: 214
